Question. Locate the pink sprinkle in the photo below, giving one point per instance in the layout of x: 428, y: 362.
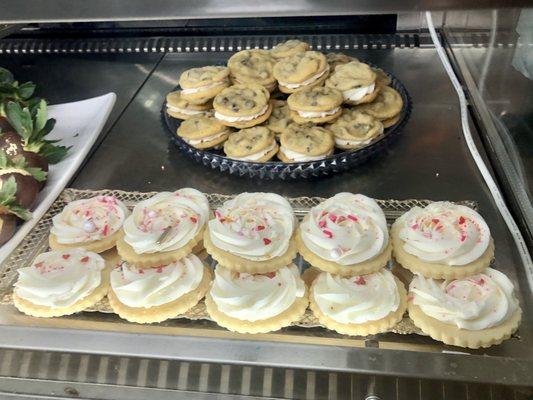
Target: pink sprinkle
x: 463, y: 237
x: 193, y: 219
x: 260, y: 227
x: 159, y: 269
x: 84, y: 259
x: 414, y: 226
x: 480, y: 282
x: 65, y: 256
x: 462, y: 220
x: 435, y: 220
x: 271, y: 275
x: 353, y: 218
x: 39, y: 265
x: 105, y: 231
x: 267, y: 241
x: 328, y: 233
x: 322, y: 223
x: 140, y: 271
x: 332, y: 217
x: 360, y: 281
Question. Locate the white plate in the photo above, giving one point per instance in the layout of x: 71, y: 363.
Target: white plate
x: 78, y: 125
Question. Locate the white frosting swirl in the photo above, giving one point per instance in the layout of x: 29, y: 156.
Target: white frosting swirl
x: 151, y: 287
x: 181, y: 214
x: 346, y: 229
x: 255, y: 226
x: 318, y: 114
x: 358, y: 93
x: 87, y: 220
x: 60, y: 278
x: 255, y: 297
x: 444, y: 233
x: 357, y: 299
x: 478, y: 302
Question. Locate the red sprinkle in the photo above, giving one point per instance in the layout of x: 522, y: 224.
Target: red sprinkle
x: 39, y: 265
x: 435, y: 220
x: 84, y: 259
x: 260, y: 227
x: 332, y: 217
x: 271, y: 275
x: 193, y: 219
x: 353, y: 218
x: 105, y: 231
x: 463, y: 237
x: 267, y: 241
x: 328, y: 233
x: 65, y: 256
x: 480, y: 282
x: 360, y: 281
x: 322, y: 223
x: 462, y: 220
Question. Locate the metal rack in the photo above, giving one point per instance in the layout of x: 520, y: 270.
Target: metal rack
x: 135, y: 154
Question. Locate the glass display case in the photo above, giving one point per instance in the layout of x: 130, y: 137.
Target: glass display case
x: 137, y: 50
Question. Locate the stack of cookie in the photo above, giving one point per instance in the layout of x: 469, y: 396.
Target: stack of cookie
x: 346, y: 241
x: 334, y: 101
x: 256, y: 287
x: 455, y: 297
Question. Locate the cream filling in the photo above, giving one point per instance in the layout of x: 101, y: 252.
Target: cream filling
x: 318, y: 114
x: 202, y: 88
x: 187, y: 111
x: 207, y: 138
x: 304, y: 83
x: 358, y: 93
x: 258, y: 155
x: 238, y: 119
x: 295, y: 156
x: 346, y: 142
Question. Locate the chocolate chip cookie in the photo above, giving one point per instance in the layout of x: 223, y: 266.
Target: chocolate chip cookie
x: 203, y: 132
x: 288, y: 48
x: 242, y: 106
x: 308, y: 142
x: 356, y: 81
x: 178, y: 107
x: 253, y: 66
x: 301, y: 71
x: 199, y: 85
x: 316, y: 104
x: 280, y: 117
x: 336, y: 59
x: 386, y: 107
x: 354, y: 129
x: 255, y: 144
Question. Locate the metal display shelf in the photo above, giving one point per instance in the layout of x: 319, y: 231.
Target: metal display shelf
x: 104, y: 10
x: 428, y: 161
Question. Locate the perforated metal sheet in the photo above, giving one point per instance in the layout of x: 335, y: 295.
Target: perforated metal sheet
x: 37, y: 242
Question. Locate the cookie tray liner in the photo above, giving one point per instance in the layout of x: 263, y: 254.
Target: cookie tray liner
x: 36, y: 242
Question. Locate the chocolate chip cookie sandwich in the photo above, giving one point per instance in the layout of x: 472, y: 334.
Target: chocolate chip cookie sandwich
x: 61, y: 282
x: 288, y: 48
x: 355, y: 129
x: 253, y: 66
x: 280, y: 118
x: 199, y: 85
x: 256, y: 303
x: 257, y: 144
x: 93, y: 224
x: 480, y: 310
x: 386, y: 107
x: 252, y: 233
x: 301, y: 71
x: 203, y: 132
x: 356, y: 81
x: 346, y: 234
x: 242, y: 106
x: 359, y: 305
x: 157, y: 294
x: 301, y: 143
x: 164, y: 228
x: 442, y: 241
x: 178, y: 107
x: 315, y: 105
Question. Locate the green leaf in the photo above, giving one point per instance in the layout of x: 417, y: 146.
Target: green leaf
x: 37, y: 173
x: 53, y: 153
x: 26, y: 90
x: 40, y: 116
x: 20, y: 211
x: 6, y: 76
x: 3, y: 159
x: 8, y: 191
x: 20, y: 119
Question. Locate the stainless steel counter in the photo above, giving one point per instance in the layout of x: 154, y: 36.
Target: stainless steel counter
x: 429, y: 160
